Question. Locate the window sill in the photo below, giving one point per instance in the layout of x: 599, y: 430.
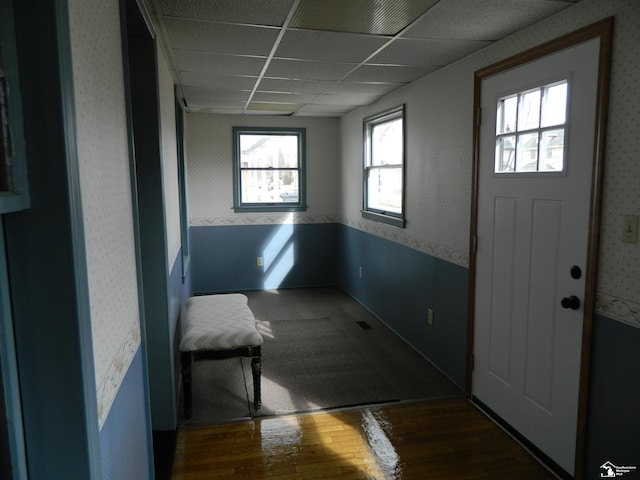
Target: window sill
x: 382, y: 217
x: 270, y: 208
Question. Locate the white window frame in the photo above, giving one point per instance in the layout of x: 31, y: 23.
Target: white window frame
x: 393, y: 218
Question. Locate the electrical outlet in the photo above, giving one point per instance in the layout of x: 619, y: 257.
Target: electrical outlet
x: 430, y: 316
x: 630, y: 229
x: 259, y: 261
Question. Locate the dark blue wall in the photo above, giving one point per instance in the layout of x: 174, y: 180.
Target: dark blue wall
x: 295, y: 255
x: 614, y: 412
x: 399, y: 284
x: 124, y: 449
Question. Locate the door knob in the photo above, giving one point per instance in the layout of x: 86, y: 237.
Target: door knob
x: 572, y: 302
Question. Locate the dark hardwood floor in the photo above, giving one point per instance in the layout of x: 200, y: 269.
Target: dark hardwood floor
x: 440, y: 439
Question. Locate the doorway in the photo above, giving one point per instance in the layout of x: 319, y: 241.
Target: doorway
x: 537, y: 179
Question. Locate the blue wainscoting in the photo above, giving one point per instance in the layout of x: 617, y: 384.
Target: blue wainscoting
x: 398, y: 285
x: 124, y: 449
x: 613, y: 422
x: 224, y: 258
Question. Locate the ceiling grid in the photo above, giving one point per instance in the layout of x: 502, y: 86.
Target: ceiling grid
x: 324, y: 57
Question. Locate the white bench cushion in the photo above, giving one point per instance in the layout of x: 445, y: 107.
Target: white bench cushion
x: 219, y: 322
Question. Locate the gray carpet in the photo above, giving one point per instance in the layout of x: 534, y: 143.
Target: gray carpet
x: 316, y: 356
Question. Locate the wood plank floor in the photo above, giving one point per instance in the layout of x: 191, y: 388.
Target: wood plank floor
x: 442, y: 439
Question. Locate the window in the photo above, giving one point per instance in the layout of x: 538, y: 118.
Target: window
x: 269, y: 169
x: 14, y: 191
x: 530, y: 130
x: 384, y: 158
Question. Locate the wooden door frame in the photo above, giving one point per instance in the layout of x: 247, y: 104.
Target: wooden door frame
x: 604, y: 31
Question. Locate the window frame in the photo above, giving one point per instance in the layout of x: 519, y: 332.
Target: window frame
x: 369, y: 123
x: 301, y: 204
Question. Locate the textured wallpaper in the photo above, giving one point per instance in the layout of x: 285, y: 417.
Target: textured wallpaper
x: 210, y: 169
x: 106, y: 191
x: 439, y: 122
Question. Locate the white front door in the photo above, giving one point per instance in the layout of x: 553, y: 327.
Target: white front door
x: 534, y: 188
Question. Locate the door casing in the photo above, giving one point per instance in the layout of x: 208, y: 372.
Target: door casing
x: 603, y: 30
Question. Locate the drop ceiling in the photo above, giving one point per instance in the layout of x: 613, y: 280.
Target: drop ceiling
x: 323, y: 57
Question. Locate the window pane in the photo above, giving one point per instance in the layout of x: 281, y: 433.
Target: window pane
x: 384, y: 188
x: 529, y: 111
x: 552, y: 151
x: 507, y: 109
x: 386, y: 143
x: 269, y: 186
x: 505, y: 154
x: 554, y: 106
x: 265, y: 151
x: 527, y: 154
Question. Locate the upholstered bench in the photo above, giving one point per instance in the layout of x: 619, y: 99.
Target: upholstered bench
x: 218, y: 327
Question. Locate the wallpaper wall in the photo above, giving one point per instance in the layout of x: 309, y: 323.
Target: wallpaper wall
x: 210, y: 169
x: 439, y: 164
x: 106, y: 192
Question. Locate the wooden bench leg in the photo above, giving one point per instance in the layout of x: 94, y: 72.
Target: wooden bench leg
x: 185, y: 358
x: 256, y: 368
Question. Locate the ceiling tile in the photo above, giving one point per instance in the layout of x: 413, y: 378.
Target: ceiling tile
x: 198, y: 79
x: 217, y: 111
x: 199, y: 96
x: 377, y: 89
x: 308, y: 70
x: 288, y: 86
x: 388, y: 73
x: 426, y: 52
x: 345, y: 99
x: 377, y: 17
x: 189, y: 61
x: 311, y: 110
x: 481, y: 19
x: 257, y: 12
x: 328, y: 46
x: 219, y: 37
x: 280, y: 108
x: 283, y: 97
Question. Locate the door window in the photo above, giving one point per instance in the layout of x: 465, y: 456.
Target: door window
x: 530, y: 130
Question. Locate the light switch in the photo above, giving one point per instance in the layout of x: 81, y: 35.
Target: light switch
x: 630, y: 229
